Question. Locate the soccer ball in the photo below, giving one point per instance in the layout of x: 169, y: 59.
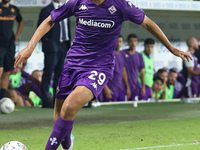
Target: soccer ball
x: 6, y: 105
x: 14, y: 145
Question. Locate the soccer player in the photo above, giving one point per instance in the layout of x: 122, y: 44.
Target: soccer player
x: 115, y: 89
x: 163, y: 74
x: 90, y: 61
x: 149, y: 67
x: 191, y: 71
x: 157, y: 88
x: 134, y: 64
x: 8, y: 14
x: 170, y: 90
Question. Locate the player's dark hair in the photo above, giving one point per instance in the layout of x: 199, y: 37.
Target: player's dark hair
x: 149, y: 41
x: 158, y: 78
x: 132, y: 35
x: 35, y: 71
x: 161, y: 71
x: 174, y: 70
x: 120, y: 36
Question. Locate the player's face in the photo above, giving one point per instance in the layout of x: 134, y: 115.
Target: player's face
x: 172, y: 78
x: 157, y: 86
x: 148, y: 48
x: 38, y: 75
x: 196, y: 44
x: 164, y: 76
x: 119, y: 43
x: 132, y: 42
x: 5, y: 1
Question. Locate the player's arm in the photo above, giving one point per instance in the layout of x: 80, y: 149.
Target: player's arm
x: 125, y: 79
x: 19, y: 30
x: 44, y: 27
x: 142, y: 76
x: 192, y: 72
x: 153, y: 28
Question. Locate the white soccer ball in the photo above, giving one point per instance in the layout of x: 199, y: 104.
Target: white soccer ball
x: 14, y: 145
x: 6, y: 105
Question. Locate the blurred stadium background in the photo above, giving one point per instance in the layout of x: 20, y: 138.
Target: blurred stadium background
x: 167, y: 126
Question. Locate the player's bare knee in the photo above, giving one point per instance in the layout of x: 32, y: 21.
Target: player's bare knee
x: 68, y: 112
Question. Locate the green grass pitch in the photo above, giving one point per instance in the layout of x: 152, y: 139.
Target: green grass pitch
x: 159, y: 126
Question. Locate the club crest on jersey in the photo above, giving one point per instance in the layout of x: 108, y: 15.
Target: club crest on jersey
x: 112, y: 9
x: 12, y: 10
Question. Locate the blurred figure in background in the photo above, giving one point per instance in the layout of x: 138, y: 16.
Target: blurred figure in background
x: 55, y: 45
x: 8, y: 14
x: 134, y: 64
x: 191, y: 71
x: 115, y: 89
x: 16, y: 80
x: 157, y: 89
x: 163, y: 74
x: 149, y: 67
x: 37, y: 74
x: 172, y: 91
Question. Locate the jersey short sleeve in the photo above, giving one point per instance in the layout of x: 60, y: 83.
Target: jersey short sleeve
x: 131, y: 12
x: 189, y: 63
x: 142, y: 65
x: 65, y: 11
x: 18, y: 15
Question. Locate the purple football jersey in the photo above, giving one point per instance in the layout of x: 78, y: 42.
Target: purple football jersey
x: 97, y: 31
x: 117, y: 84
x: 134, y: 63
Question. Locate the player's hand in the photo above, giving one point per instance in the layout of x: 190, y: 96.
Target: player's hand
x: 128, y: 93
x: 22, y: 56
x: 109, y: 93
x: 183, y: 55
x: 143, y: 91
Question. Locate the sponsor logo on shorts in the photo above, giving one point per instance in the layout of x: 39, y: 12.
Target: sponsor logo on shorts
x: 97, y: 23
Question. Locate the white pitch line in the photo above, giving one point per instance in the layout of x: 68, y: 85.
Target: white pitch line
x: 161, y: 146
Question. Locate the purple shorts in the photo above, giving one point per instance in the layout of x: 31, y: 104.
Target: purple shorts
x: 95, y: 80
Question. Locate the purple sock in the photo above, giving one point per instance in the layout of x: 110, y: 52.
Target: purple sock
x: 60, y: 130
x: 66, y: 143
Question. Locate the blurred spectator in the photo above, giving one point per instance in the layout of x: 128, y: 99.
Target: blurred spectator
x: 28, y: 83
x: 174, y: 88
x: 149, y: 67
x: 162, y: 73
x: 134, y: 64
x: 55, y: 45
x: 157, y: 88
x: 115, y: 89
x: 197, y: 54
x: 190, y: 70
x: 37, y: 74
x: 13, y: 94
x: 8, y: 14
